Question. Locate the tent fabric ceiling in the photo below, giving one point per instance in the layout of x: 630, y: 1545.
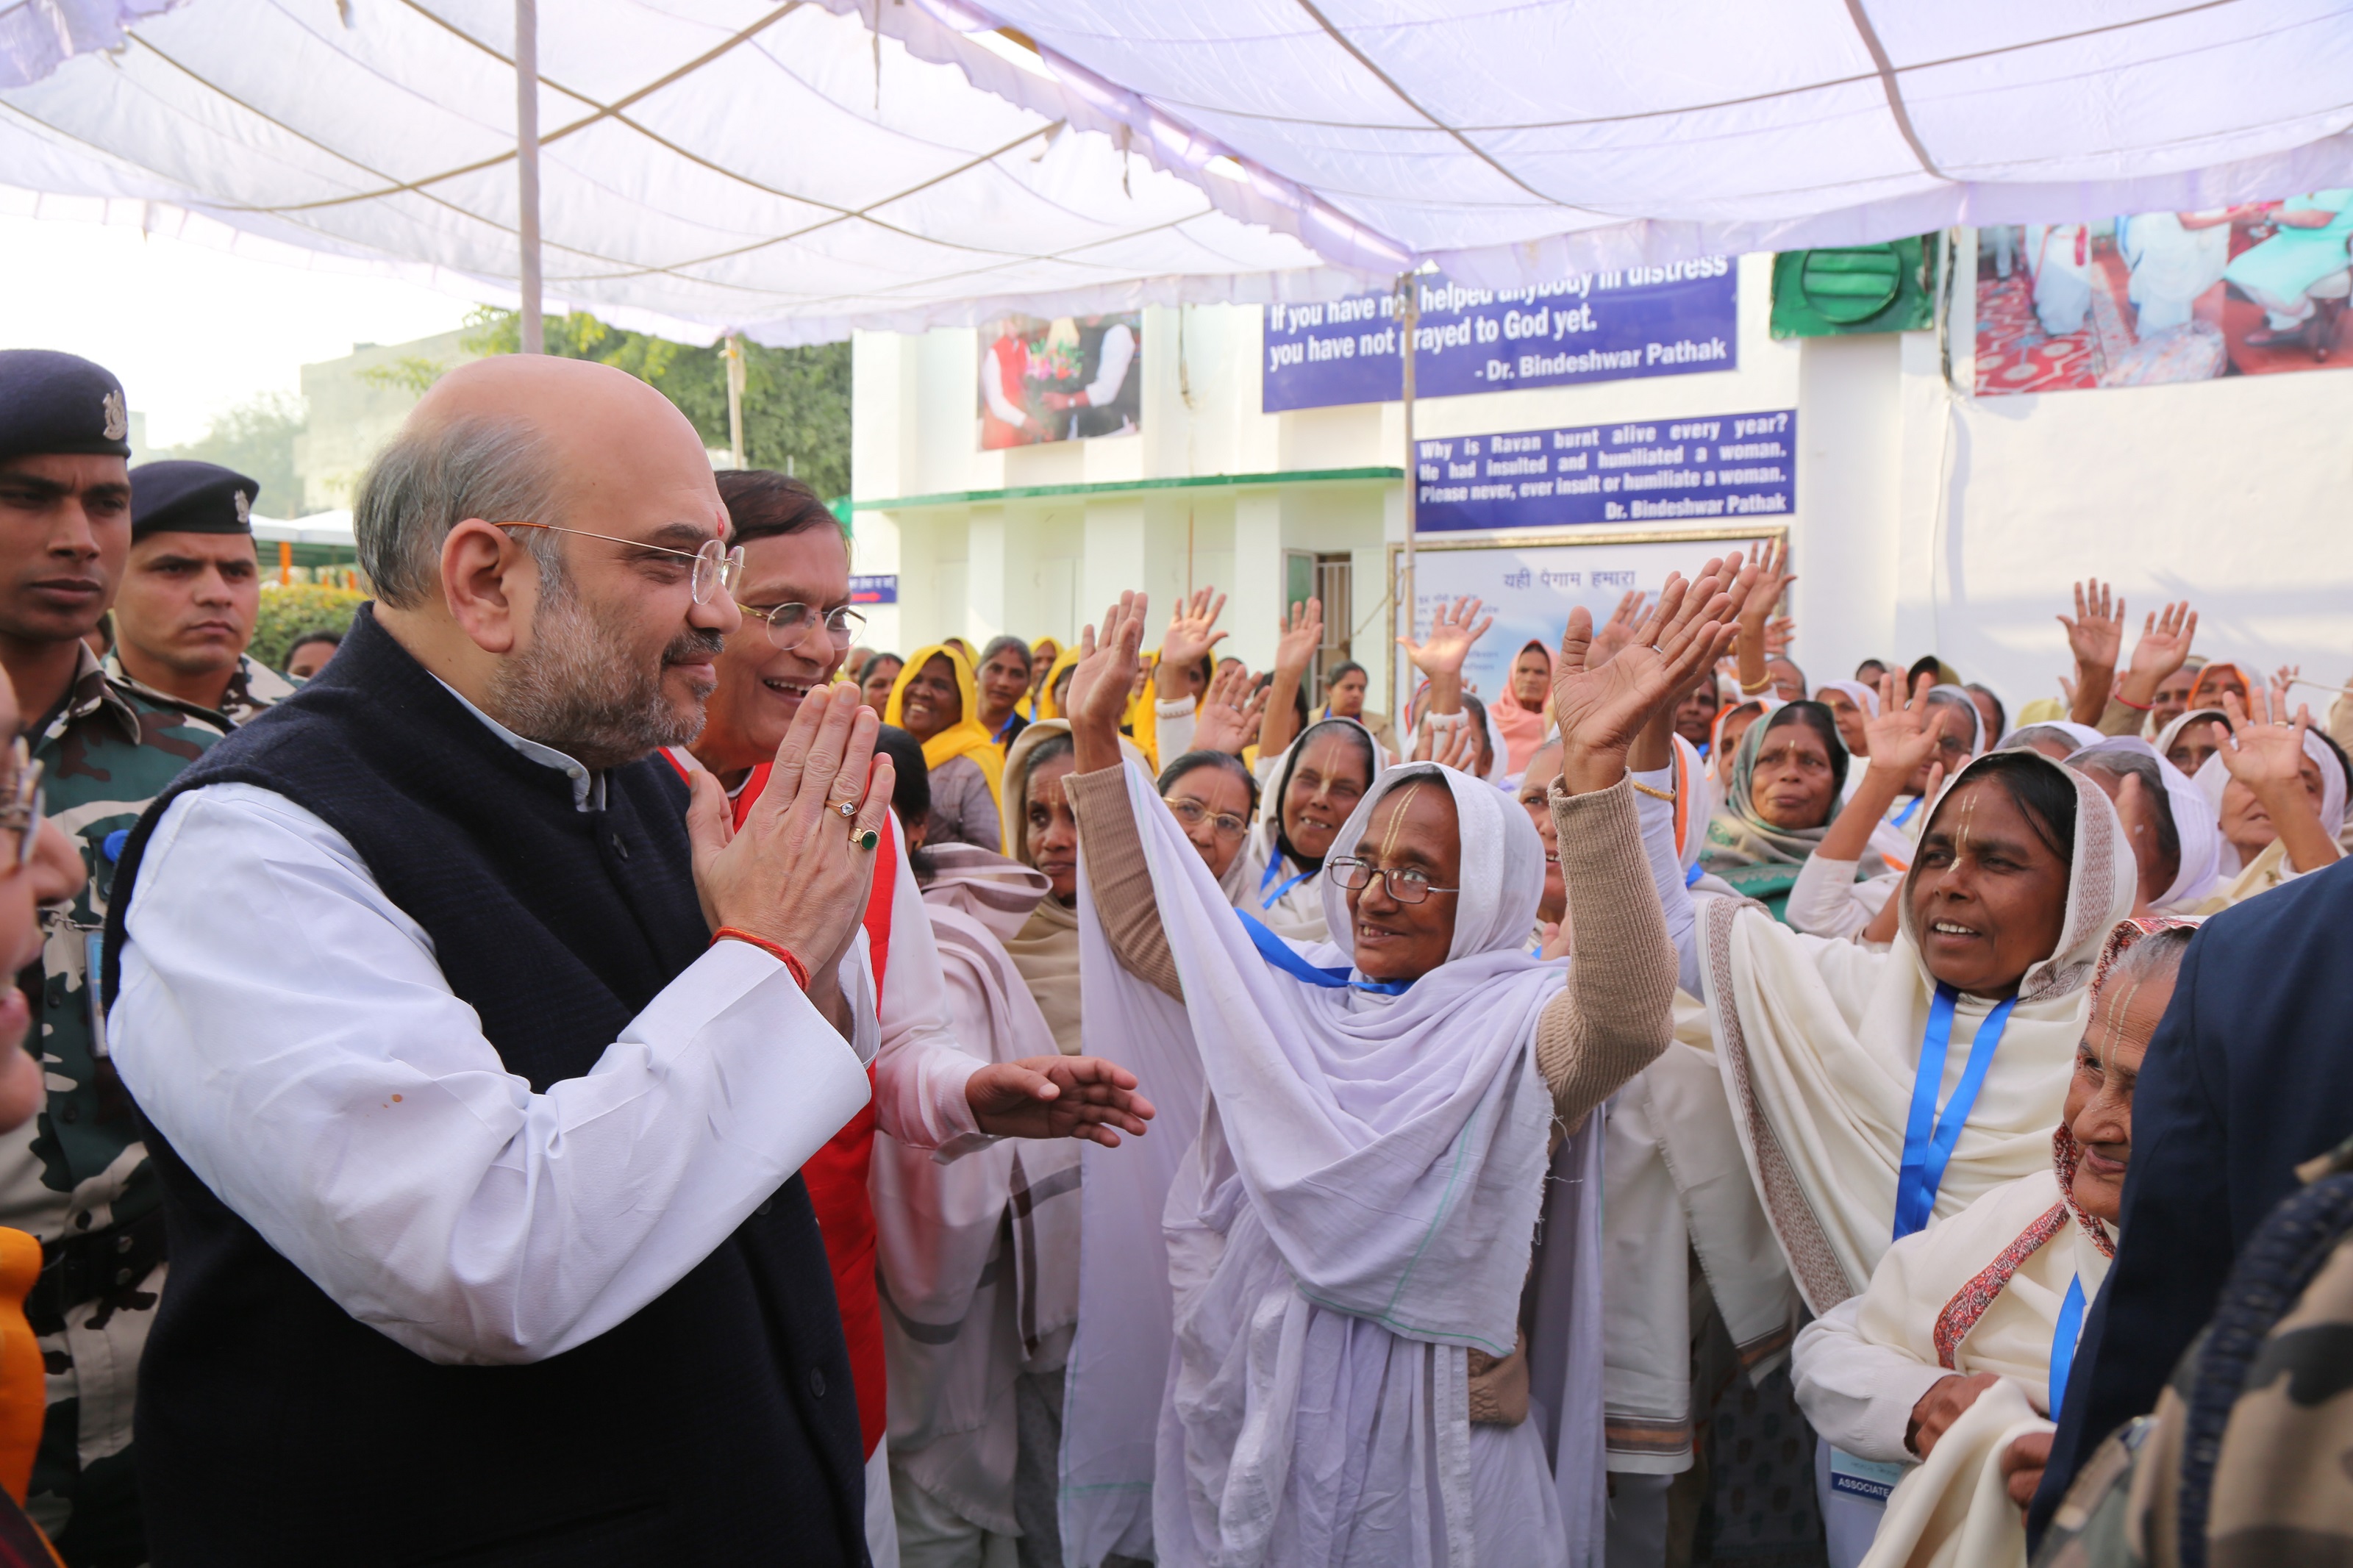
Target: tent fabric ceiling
x: 705, y: 166
x: 783, y: 168
x: 1516, y: 143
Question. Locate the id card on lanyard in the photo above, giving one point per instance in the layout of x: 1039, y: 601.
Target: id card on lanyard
x: 2062, y: 1342
x: 1929, y: 1137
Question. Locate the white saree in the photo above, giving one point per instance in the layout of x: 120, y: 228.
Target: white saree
x: 1356, y: 1214
x: 1819, y: 1042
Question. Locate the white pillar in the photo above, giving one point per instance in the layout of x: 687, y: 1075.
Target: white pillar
x: 534, y: 338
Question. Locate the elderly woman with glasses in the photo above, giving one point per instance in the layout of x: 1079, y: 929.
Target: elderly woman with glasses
x: 1377, y: 1114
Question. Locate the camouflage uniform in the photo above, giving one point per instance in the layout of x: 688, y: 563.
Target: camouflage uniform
x: 2250, y: 1451
x: 254, y: 687
x: 77, y: 1177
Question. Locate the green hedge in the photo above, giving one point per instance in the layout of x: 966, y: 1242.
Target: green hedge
x: 295, y: 608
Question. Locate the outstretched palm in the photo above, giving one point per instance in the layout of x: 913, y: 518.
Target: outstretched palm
x: 1108, y: 666
x: 1192, y: 630
x: 1601, y: 709
x: 1298, y: 635
x: 1453, y: 629
x: 1904, y: 734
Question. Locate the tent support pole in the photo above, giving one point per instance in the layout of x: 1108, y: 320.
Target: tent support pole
x: 534, y: 331
x: 735, y: 355
x: 1409, y: 323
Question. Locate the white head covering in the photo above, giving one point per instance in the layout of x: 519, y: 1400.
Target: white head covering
x: 2196, y: 823
x: 1297, y: 910
x: 2173, y: 731
x: 1694, y: 801
x: 1864, y: 697
x: 1967, y: 699
x: 2077, y: 736
x: 1499, y: 751
x: 1503, y: 864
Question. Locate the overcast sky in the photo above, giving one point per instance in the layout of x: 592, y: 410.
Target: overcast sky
x: 192, y: 330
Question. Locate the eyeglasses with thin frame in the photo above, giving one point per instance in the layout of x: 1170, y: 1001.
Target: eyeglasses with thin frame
x: 789, y: 623
x: 1406, y: 884
x: 23, y: 807
x: 1193, y: 813
x: 717, y: 569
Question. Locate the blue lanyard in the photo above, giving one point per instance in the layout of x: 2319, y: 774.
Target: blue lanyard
x: 1283, y: 956
x: 2062, y: 1342
x: 1274, y: 869
x: 1692, y: 877
x: 1905, y: 816
x: 1928, y: 1138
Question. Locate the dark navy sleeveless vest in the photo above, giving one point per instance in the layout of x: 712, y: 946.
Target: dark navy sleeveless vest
x: 719, y: 1425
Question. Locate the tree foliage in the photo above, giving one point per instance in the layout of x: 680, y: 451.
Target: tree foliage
x: 796, y: 401
x: 257, y: 439
x: 294, y: 608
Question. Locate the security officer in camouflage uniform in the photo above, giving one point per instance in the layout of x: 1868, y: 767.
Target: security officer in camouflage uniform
x: 77, y: 1176
x: 189, y: 597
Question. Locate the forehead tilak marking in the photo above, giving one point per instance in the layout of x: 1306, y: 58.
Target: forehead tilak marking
x: 1397, y: 818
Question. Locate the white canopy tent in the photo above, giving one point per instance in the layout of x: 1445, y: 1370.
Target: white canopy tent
x: 785, y: 170
x: 706, y: 166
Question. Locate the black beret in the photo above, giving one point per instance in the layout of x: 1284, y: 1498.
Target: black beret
x: 52, y: 402
x: 178, y: 496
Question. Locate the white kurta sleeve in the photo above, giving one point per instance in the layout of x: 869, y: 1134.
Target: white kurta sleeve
x: 1827, y: 901
x: 992, y: 389
x: 287, y: 1027
x: 920, y: 1072
x: 1858, y: 1395
x: 1111, y: 370
x: 1658, y: 820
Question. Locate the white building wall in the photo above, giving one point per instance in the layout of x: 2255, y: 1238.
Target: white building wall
x: 1926, y: 518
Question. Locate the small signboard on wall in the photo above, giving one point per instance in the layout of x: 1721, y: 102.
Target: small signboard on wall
x: 1653, y: 471
x: 882, y: 589
x: 1671, y: 320
x: 1530, y: 586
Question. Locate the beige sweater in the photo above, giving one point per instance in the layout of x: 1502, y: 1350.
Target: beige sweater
x: 1613, y: 1018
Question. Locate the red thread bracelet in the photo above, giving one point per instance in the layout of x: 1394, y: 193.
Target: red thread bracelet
x: 775, y: 950
x: 2140, y: 707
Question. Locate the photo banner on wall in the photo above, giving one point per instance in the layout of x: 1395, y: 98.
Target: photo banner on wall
x: 2158, y: 298
x: 1063, y: 380
x: 1672, y: 320
x: 1651, y: 470
x: 1531, y: 587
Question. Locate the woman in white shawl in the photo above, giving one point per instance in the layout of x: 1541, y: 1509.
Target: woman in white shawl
x: 1951, y: 1363
x: 2169, y: 821
x: 1349, y: 1237
x: 1866, y: 1085
x: 2279, y: 791
x: 1310, y: 788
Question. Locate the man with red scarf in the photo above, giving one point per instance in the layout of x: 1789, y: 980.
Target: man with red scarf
x: 928, y: 1092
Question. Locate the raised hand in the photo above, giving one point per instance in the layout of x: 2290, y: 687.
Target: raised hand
x: 2267, y: 755
x: 1192, y: 629
x: 1780, y: 633
x: 1618, y: 629
x: 1298, y: 635
x: 2164, y: 648
x: 1230, y: 713
x: 1452, y: 631
x: 2285, y: 678
x: 2096, y: 635
x: 1106, y: 671
x: 1772, y: 580
x: 1904, y: 734
x: 1601, y: 709
x: 1058, y: 1097
x: 1452, y: 746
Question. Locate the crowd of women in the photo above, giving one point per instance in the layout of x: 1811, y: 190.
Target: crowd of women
x: 1838, y: 993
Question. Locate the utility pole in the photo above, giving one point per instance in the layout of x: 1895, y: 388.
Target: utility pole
x: 535, y: 330
x: 734, y: 352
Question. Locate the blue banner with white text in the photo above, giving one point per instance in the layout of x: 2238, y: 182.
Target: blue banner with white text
x: 1671, y: 320
x: 1721, y: 466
